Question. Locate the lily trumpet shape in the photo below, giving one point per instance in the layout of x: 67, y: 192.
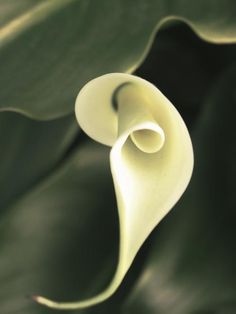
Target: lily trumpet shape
x: 151, y: 160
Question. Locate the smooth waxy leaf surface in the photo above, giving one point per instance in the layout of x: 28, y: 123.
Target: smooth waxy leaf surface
x: 50, y: 49
x: 54, y: 239
x: 185, y: 68
x: 29, y: 150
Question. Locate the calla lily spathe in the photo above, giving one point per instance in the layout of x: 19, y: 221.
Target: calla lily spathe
x: 151, y: 160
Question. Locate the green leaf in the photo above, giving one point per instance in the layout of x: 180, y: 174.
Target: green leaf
x: 191, y: 268
x: 29, y: 150
x: 61, y: 239
x: 50, y: 49
x: 184, y: 68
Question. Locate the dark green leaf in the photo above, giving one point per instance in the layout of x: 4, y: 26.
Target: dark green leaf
x: 185, y: 68
x: 50, y: 49
x: 61, y: 239
x: 29, y: 150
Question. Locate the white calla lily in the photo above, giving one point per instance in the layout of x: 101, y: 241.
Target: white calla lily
x: 151, y: 159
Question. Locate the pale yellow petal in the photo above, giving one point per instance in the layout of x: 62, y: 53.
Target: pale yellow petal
x: 151, y: 159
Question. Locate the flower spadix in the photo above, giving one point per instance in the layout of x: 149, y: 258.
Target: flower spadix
x: 151, y: 159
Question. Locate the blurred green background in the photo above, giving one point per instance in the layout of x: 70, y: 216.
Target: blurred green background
x: 59, y: 232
